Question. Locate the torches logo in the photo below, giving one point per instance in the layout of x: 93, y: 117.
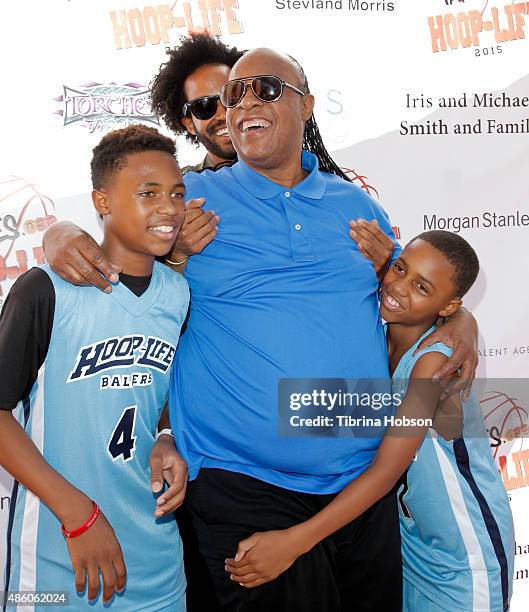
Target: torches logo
x: 101, y: 107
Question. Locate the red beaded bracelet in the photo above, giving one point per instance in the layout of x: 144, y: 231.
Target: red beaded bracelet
x: 85, y: 527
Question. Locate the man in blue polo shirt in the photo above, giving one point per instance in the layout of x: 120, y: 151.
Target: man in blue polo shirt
x: 282, y: 292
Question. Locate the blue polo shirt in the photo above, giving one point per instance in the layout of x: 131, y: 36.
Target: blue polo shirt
x: 282, y: 292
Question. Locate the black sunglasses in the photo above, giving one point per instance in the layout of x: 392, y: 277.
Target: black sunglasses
x: 267, y: 88
x: 202, y: 108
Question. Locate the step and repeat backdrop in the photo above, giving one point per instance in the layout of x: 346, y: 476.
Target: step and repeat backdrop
x: 424, y: 102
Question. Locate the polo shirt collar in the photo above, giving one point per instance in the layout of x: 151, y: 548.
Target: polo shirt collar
x: 312, y: 186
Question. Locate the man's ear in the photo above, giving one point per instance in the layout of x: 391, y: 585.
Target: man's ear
x: 308, y: 106
x: 452, y: 307
x: 100, y: 200
x: 187, y: 122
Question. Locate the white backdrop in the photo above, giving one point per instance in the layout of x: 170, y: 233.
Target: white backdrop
x: 396, y: 83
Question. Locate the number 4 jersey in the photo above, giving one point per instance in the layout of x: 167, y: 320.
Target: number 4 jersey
x: 91, y: 399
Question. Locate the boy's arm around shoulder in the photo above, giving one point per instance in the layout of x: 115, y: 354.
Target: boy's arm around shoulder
x: 265, y: 555
x: 460, y: 332
x: 396, y: 451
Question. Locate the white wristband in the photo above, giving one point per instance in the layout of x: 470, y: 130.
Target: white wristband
x: 163, y: 432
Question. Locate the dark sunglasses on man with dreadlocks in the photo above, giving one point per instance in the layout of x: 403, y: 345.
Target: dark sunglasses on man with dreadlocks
x: 267, y: 88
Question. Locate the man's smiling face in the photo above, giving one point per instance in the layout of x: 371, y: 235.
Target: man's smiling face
x: 266, y: 135
x: 212, y: 133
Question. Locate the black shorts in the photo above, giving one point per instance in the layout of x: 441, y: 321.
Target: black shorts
x: 200, y: 591
x: 357, y: 569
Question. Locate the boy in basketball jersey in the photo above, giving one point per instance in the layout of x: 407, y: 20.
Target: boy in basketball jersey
x: 456, y: 524
x: 89, y: 375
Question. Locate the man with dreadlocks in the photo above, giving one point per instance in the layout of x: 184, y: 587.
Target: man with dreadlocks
x: 274, y: 297
x: 283, y: 293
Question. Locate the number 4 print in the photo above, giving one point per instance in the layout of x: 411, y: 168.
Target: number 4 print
x: 123, y: 441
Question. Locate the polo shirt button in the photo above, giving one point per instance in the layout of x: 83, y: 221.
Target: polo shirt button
x: 297, y: 226
x: 287, y: 194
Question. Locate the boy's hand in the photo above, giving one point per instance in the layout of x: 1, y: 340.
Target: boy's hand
x: 97, y: 550
x: 167, y: 464
x: 198, y: 230
x: 77, y: 258
x: 460, y: 332
x: 373, y: 243
x: 263, y: 557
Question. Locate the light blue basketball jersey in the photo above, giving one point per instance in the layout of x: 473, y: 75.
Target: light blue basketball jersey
x: 93, y: 413
x: 456, y: 523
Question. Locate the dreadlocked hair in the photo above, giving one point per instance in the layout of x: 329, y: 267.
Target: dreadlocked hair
x: 167, y: 87
x: 312, y: 140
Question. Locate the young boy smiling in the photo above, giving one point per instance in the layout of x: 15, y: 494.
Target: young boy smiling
x: 89, y: 374
x: 456, y: 524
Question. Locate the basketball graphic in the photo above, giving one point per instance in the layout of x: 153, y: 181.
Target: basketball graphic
x: 361, y: 180
x: 506, y: 420
x: 25, y: 214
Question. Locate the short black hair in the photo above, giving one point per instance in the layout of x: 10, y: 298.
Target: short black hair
x: 459, y: 253
x: 109, y: 155
x: 167, y: 87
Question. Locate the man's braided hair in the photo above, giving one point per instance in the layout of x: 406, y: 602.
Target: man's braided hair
x: 312, y: 140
